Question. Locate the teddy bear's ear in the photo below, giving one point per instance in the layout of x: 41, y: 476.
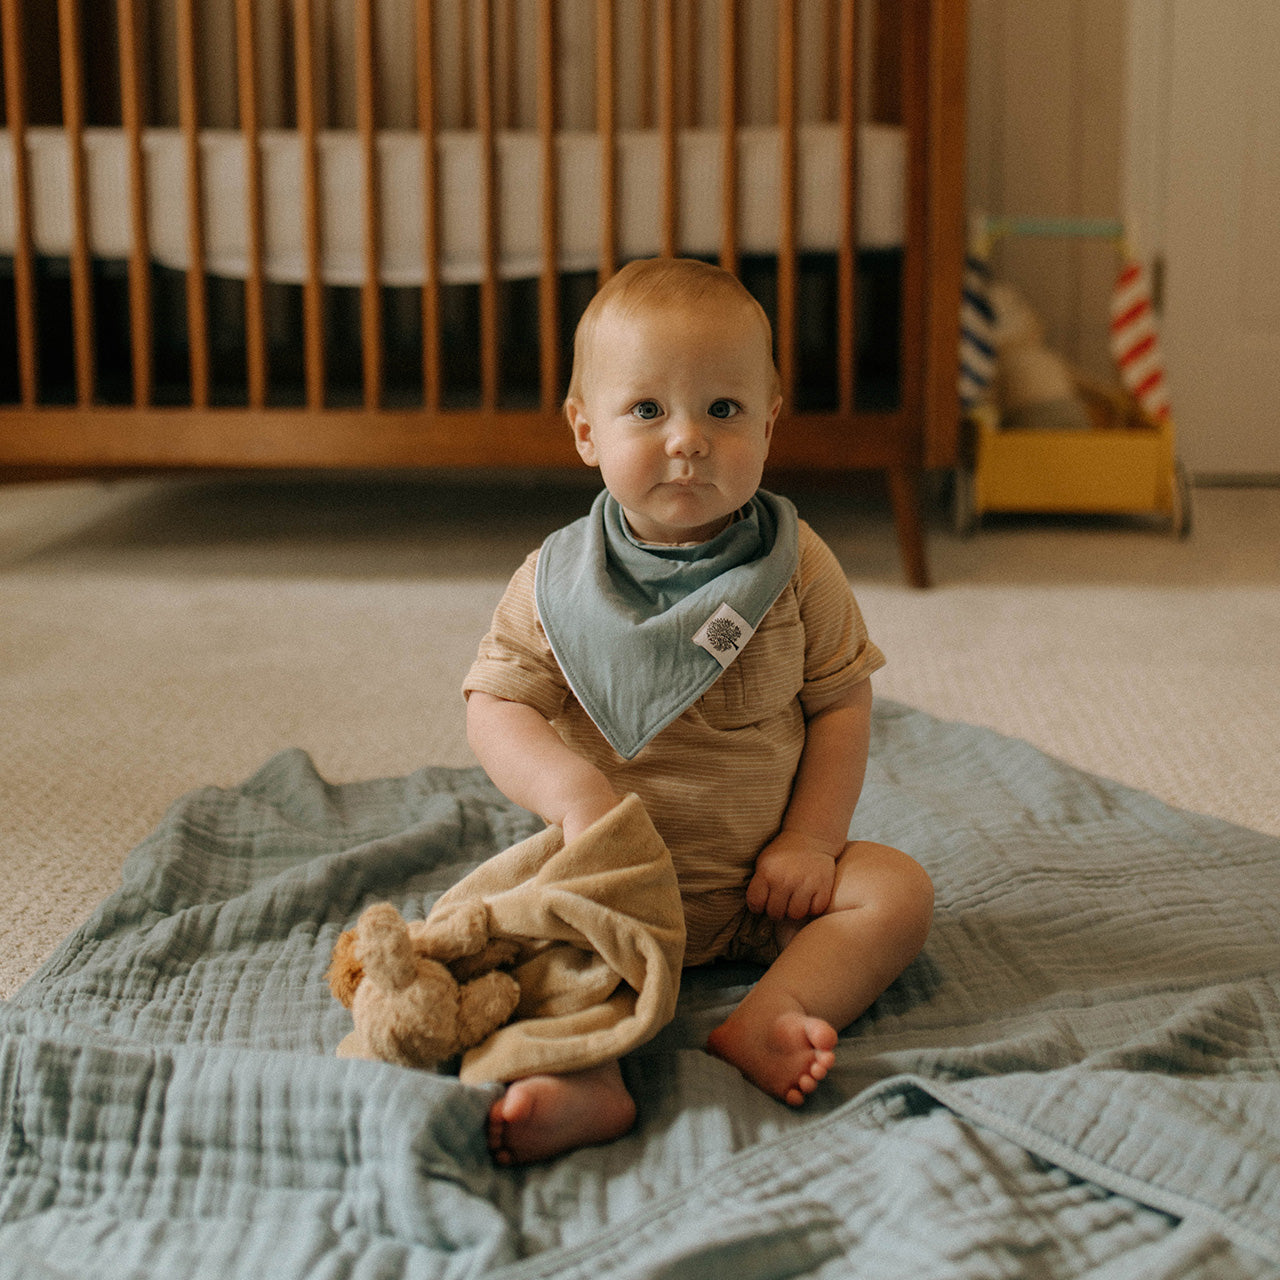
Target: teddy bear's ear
x: 345, y: 969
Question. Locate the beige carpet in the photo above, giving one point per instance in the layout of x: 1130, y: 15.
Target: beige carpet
x: 157, y: 635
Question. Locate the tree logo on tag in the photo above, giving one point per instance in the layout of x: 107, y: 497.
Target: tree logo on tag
x: 723, y: 634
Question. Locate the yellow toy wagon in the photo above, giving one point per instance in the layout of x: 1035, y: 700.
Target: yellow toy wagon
x: 1124, y: 465
x: 1123, y: 461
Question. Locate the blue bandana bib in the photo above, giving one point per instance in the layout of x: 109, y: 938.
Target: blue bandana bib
x: 640, y: 631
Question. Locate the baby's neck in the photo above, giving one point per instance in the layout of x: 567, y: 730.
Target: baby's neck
x: 647, y: 542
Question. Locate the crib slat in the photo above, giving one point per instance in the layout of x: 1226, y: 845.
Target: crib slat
x: 69, y: 48
x: 785, y: 331
x: 370, y: 289
x: 488, y: 210
x: 197, y: 292
x: 507, y: 105
x: 915, y: 108
x: 729, y: 135
x: 904, y: 478
x: 829, y: 97
x: 255, y: 317
x: 140, y: 252
x: 15, y: 94
x: 947, y: 38
x: 846, y: 283
x: 430, y: 207
x: 548, y: 280
x: 691, y: 42
x: 465, y: 104
x: 312, y: 288
x: 606, y: 131
x: 667, y: 124
x: 642, y: 57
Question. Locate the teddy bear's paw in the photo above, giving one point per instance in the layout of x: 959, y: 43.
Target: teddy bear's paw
x: 497, y: 953
x: 453, y: 930
x: 484, y: 1004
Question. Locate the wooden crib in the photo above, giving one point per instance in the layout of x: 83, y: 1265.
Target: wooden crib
x: 359, y: 233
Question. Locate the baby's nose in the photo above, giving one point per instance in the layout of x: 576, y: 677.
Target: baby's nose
x: 685, y: 437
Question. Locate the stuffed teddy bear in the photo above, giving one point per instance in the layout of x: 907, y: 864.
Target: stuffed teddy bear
x: 1035, y: 387
x: 420, y: 993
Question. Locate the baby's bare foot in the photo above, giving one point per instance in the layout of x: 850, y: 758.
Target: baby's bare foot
x: 787, y: 1057
x: 544, y: 1116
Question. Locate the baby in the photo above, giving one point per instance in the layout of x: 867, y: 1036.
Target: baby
x: 694, y: 642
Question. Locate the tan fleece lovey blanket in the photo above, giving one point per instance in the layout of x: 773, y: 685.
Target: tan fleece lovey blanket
x: 600, y: 936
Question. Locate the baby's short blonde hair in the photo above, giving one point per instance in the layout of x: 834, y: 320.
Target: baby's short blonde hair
x: 655, y: 283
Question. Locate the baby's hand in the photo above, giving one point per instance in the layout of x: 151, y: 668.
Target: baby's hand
x: 794, y: 877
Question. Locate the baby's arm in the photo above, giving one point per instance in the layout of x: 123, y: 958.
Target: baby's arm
x: 795, y: 872
x: 529, y: 763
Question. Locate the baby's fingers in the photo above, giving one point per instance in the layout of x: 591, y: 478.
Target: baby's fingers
x: 819, y: 902
x: 758, y: 894
x: 806, y: 900
x: 770, y: 899
x: 798, y: 906
x: 779, y: 905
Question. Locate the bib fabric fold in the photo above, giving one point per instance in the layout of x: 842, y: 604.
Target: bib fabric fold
x: 641, y: 631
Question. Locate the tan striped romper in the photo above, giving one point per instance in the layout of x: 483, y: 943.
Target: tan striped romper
x: 715, y: 782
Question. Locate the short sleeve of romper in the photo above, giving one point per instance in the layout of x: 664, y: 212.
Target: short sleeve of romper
x: 839, y: 654
x: 514, y: 660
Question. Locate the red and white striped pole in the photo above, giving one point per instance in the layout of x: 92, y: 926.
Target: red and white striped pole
x: 1135, y: 342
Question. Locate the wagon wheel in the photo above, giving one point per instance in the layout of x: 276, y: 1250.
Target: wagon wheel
x: 1180, y: 520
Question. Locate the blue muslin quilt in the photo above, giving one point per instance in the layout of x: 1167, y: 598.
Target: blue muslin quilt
x: 1079, y: 1076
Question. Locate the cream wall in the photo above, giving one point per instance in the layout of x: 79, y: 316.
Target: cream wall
x: 1046, y: 116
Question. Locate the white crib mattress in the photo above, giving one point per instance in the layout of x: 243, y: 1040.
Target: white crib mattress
x: 881, y: 198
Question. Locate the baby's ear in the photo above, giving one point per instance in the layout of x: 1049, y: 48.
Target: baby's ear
x: 774, y: 410
x: 576, y: 412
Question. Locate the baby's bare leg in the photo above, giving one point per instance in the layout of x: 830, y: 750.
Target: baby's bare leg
x: 544, y: 1116
x: 782, y: 1036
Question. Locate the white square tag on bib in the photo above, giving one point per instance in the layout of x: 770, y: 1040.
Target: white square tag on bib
x: 724, y: 634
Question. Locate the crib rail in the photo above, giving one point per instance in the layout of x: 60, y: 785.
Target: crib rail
x: 110, y: 363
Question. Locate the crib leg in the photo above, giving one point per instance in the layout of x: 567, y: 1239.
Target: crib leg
x: 904, y: 493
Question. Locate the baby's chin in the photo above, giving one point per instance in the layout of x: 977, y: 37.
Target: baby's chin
x: 675, y: 532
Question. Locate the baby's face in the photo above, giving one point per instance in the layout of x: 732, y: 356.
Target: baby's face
x: 677, y: 411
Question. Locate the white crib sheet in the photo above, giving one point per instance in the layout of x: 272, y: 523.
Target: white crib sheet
x: 881, y: 198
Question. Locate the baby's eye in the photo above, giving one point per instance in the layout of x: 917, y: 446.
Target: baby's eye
x: 647, y: 410
x: 723, y: 409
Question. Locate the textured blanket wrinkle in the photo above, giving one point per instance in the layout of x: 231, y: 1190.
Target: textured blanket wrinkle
x: 1080, y: 1076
